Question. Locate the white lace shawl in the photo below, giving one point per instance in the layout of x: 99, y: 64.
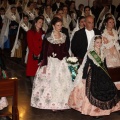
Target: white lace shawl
x: 61, y: 40
x: 113, y: 40
x: 66, y: 21
x: 6, y: 22
x: 83, y: 13
x: 47, y: 19
x: 100, y: 25
x: 4, y: 32
x: 10, y: 15
x: 32, y: 14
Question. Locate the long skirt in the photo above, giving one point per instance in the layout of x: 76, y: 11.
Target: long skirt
x: 52, y: 85
x: 79, y: 101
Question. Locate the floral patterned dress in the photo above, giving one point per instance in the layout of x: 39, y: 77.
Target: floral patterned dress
x: 53, y: 83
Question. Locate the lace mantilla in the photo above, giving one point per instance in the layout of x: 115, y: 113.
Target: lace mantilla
x: 113, y: 40
x: 61, y: 40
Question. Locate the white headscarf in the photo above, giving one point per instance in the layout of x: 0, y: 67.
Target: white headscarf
x: 100, y: 25
x: 17, y: 42
x: 6, y: 22
x: 9, y: 14
x: 32, y: 14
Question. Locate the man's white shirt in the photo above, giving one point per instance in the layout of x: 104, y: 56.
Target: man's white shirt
x: 90, y: 34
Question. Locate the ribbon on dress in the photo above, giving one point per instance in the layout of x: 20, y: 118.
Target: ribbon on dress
x: 99, y: 61
x: 74, y: 70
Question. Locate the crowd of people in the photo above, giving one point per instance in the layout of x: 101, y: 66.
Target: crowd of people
x: 44, y: 35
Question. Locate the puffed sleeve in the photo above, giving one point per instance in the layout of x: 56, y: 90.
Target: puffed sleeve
x: 85, y: 69
x: 43, y: 57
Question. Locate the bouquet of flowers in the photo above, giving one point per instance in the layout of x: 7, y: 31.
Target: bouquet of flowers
x: 72, y: 60
x: 73, y: 66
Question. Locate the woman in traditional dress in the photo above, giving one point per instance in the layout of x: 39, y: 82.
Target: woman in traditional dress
x: 111, y: 45
x: 94, y: 94
x: 53, y: 82
x: 20, y: 44
x: 87, y: 11
x: 14, y: 18
x: 30, y: 11
x: 48, y: 15
x: 66, y: 18
x: 102, y: 24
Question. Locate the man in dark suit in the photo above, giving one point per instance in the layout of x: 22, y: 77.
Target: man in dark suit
x: 82, y: 38
x: 57, y: 5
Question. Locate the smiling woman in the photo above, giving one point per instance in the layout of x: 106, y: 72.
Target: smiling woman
x: 95, y: 94
x: 34, y: 39
x: 112, y: 47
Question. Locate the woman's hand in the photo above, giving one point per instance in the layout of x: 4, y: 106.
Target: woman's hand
x: 105, y: 40
x: 44, y: 70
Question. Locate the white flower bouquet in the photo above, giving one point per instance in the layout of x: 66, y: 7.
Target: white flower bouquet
x: 72, y: 60
x: 73, y: 66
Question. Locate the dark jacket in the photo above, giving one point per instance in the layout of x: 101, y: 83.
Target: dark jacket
x: 79, y: 42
